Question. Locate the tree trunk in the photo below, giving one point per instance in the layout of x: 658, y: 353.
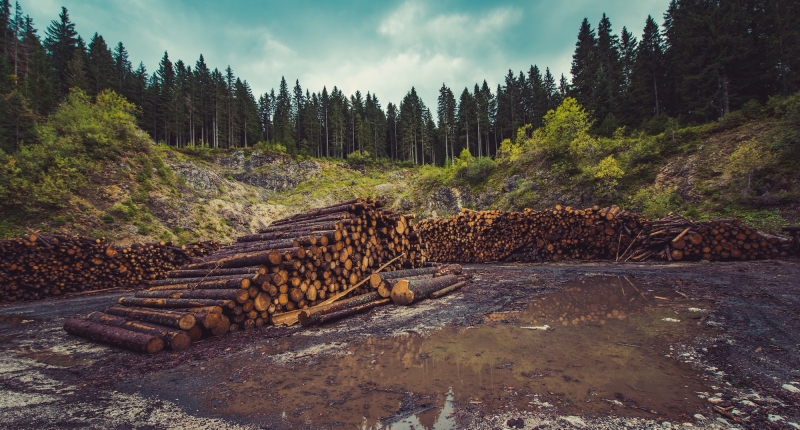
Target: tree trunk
x: 116, y: 336
x: 180, y: 320
x: 177, y: 340
x: 406, y: 292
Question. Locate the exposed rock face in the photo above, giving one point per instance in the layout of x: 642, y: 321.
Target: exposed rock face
x: 270, y: 171
x: 205, y: 181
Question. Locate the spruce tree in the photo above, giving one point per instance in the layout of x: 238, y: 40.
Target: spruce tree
x: 102, y: 71
x: 61, y: 42
x: 647, y: 78
x: 123, y: 70
x: 584, y: 65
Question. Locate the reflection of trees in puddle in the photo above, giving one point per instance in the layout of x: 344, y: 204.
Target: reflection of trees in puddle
x: 594, y: 300
x: 411, y: 380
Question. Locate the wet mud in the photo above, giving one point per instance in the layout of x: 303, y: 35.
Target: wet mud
x: 521, y: 346
x: 597, y: 347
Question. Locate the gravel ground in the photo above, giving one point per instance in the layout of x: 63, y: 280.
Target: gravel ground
x: 49, y: 379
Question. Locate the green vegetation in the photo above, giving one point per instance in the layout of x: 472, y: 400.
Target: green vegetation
x: 77, y: 141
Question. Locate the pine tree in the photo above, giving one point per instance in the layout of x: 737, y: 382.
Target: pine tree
x: 584, y: 65
x: 5, y: 27
x: 551, y: 91
x: 446, y: 112
x: 628, y: 112
x: 39, y: 78
x: 123, y: 71
x: 101, y: 66
x: 539, y: 102
x: 284, y: 127
x: 609, y: 72
x: 202, y: 79
x: 491, y: 115
x: 391, y: 130
x: 17, y: 122
x: 76, y: 75
x: 466, y: 120
x: 166, y: 94
x: 647, y: 78
x: 61, y: 42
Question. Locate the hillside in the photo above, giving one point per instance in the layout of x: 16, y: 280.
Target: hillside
x: 131, y: 190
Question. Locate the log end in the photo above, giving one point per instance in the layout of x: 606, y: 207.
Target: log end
x: 195, y: 333
x: 401, y: 294
x: 180, y: 341
x: 187, y: 321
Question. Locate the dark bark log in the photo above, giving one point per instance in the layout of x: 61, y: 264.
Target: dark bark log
x: 212, y: 280
x: 446, y: 290
x: 116, y: 336
x: 204, y: 273
x: 180, y: 320
x: 174, y: 303
x: 333, y: 316
x: 238, y: 295
x: 311, y: 316
x: 407, y: 292
x: 177, y: 340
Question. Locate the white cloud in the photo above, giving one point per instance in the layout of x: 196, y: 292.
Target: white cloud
x: 412, y: 25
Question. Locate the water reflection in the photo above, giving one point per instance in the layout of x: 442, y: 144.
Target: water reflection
x: 603, y: 355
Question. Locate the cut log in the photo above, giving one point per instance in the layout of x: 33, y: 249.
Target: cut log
x: 179, y: 320
x: 310, y: 316
x: 174, y: 303
x: 213, y: 280
x: 446, y: 290
x: 206, y: 285
x: 176, y: 340
x: 333, y: 316
x: 237, y: 295
x: 407, y: 292
x: 256, y: 270
x: 223, y: 327
x: 116, y: 336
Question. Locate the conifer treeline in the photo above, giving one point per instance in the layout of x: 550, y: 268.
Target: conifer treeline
x: 708, y: 58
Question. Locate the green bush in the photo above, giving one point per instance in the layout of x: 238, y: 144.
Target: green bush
x: 476, y: 170
x: 75, y: 141
x: 655, y: 203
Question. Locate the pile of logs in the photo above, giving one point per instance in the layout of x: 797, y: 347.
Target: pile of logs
x: 38, y: 266
x: 300, y: 269
x: 676, y: 238
x: 609, y: 234
x: 149, y: 325
x: 561, y: 233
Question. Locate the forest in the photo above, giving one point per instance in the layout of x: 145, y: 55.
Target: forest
x: 705, y: 59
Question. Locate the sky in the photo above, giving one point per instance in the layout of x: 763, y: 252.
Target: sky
x: 384, y: 47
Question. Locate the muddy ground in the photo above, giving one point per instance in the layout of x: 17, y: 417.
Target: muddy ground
x: 727, y: 331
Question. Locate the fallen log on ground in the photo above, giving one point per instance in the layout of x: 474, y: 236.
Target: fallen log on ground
x: 116, y: 336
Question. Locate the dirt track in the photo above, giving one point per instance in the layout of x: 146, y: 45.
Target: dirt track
x: 51, y: 380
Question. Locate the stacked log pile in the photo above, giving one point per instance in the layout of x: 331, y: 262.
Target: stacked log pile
x: 561, y: 233
x: 303, y: 263
x: 38, y: 266
x: 676, y: 238
x: 610, y: 234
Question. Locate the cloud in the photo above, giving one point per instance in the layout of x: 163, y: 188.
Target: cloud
x: 413, y: 25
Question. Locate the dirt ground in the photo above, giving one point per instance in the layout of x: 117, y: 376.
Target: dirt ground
x: 746, y: 353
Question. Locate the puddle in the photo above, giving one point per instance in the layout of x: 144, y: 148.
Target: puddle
x: 603, y: 354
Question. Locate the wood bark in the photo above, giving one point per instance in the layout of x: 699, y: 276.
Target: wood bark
x: 176, y: 340
x: 406, y: 292
x: 180, y: 320
x: 116, y: 336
